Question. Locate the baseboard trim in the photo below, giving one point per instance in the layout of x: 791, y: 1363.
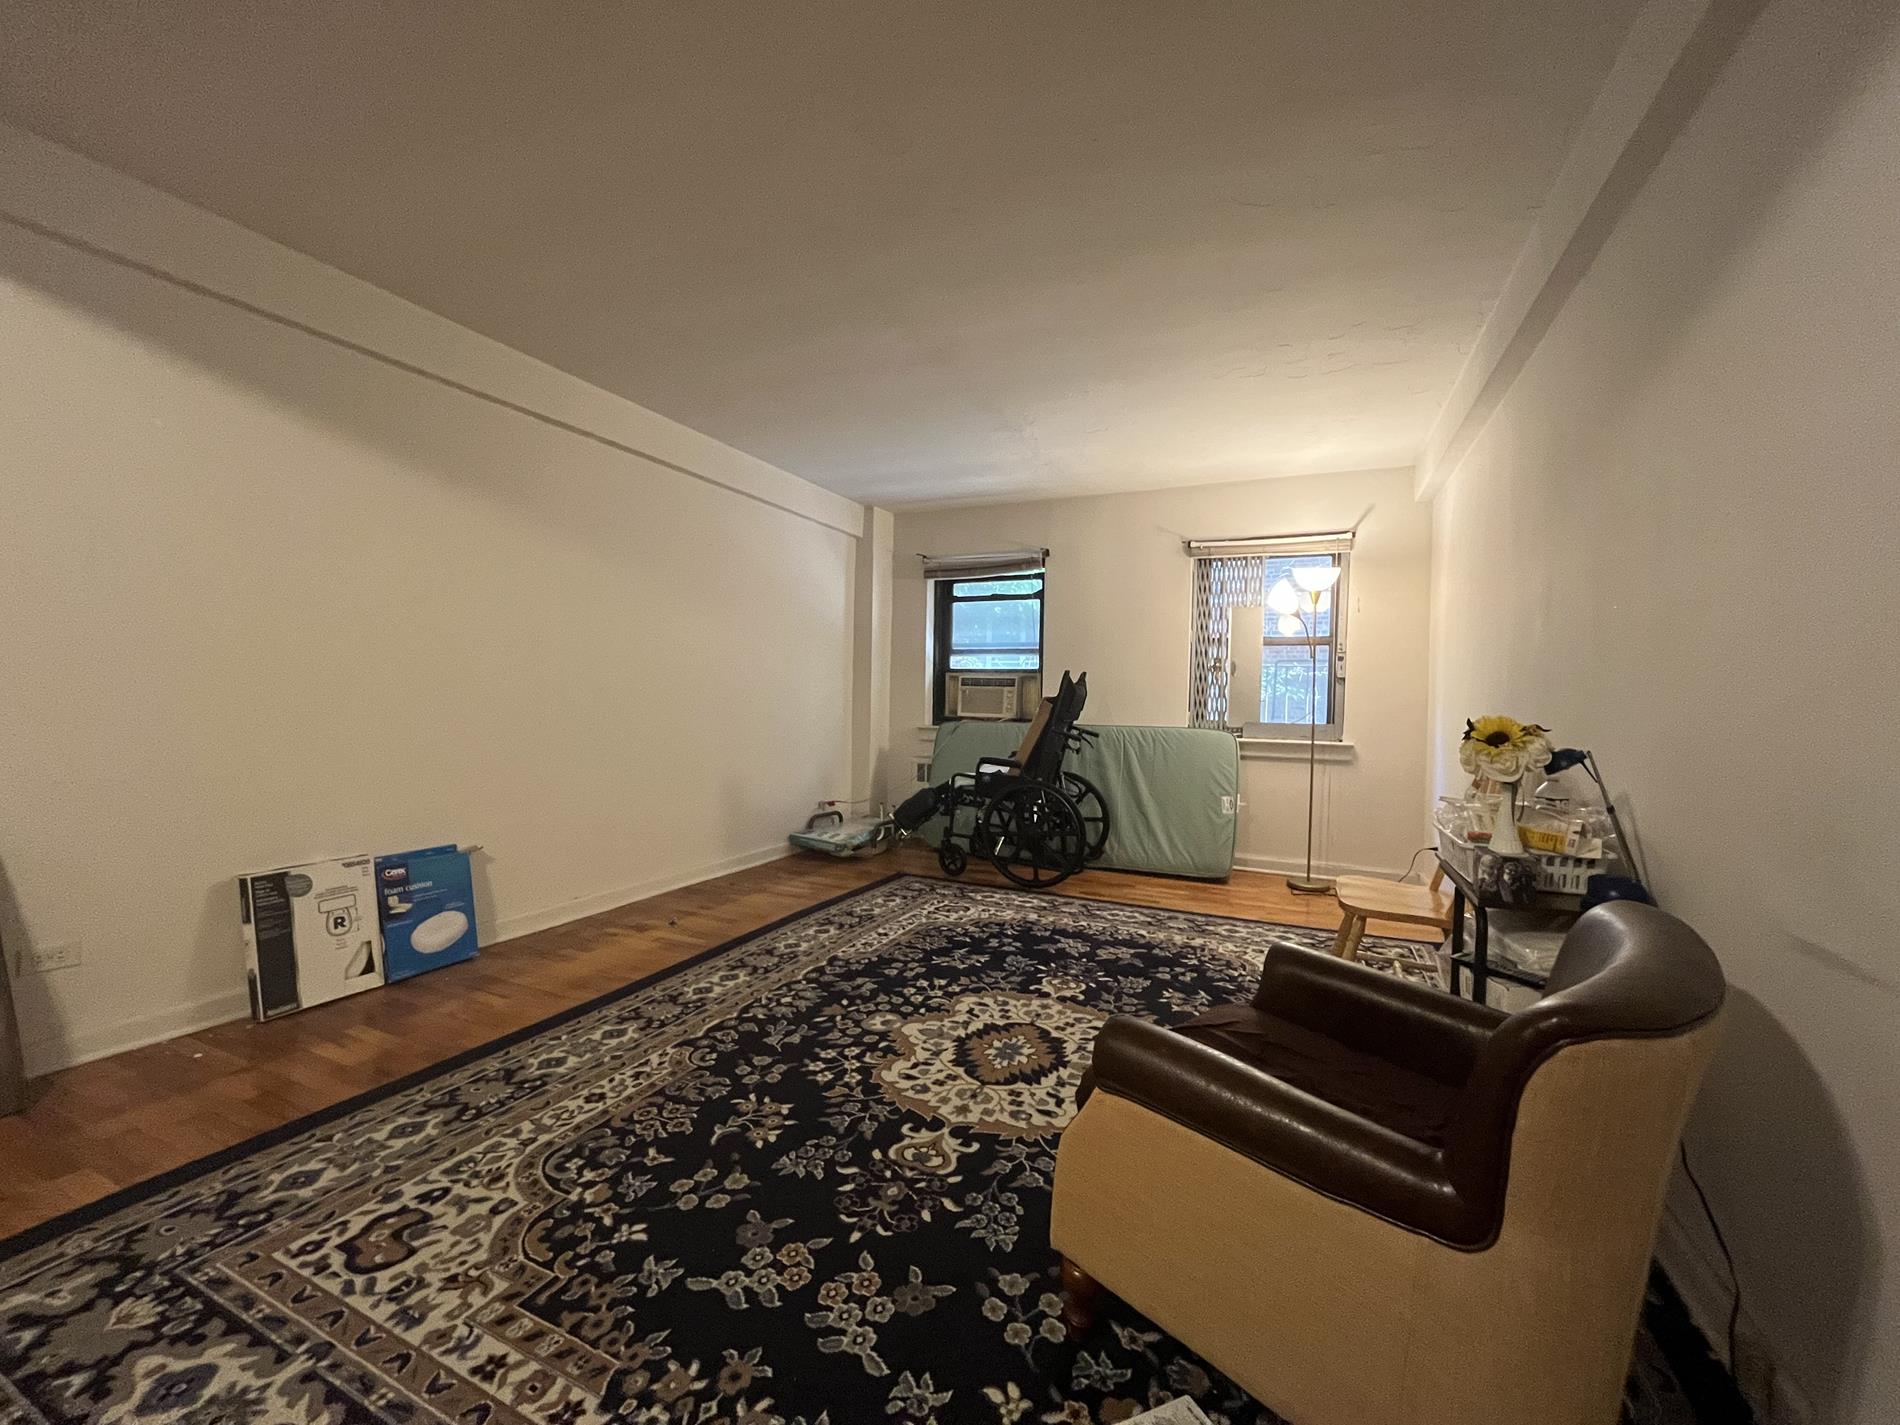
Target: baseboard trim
x: 48, y: 1055
x: 514, y: 926
x: 1272, y: 865
x: 1702, y: 1282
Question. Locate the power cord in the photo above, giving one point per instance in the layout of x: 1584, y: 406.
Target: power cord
x: 1412, y: 865
x: 1728, y: 1257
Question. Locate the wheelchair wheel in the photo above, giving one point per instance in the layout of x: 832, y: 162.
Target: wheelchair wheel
x: 1034, y: 835
x: 951, y: 858
x: 1088, y: 800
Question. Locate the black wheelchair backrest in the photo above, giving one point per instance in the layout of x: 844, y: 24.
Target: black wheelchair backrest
x: 1043, y: 761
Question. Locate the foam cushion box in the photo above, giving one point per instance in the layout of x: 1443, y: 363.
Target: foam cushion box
x: 310, y: 933
x: 427, y: 902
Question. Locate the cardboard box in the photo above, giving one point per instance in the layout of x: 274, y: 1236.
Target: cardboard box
x: 426, y: 901
x: 310, y: 933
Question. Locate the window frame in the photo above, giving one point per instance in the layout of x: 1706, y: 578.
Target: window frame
x: 1334, y: 728
x: 1336, y: 694
x: 943, y: 600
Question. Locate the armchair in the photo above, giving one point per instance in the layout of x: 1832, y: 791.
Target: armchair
x: 1372, y: 1203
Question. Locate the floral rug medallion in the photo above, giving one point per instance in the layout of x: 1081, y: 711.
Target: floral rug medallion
x: 801, y: 1180
x: 1001, y: 1063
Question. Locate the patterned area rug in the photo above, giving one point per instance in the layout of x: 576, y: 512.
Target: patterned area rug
x: 801, y: 1179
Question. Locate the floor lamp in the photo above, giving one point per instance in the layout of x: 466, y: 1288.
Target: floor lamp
x: 1299, y: 602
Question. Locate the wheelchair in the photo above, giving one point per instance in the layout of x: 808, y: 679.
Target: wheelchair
x: 1036, y: 822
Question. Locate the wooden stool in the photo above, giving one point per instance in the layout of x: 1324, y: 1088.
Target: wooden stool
x: 1364, y: 898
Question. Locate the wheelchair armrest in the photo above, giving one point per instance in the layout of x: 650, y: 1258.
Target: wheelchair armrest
x: 1001, y: 764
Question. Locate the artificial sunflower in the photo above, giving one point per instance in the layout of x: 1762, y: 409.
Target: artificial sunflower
x: 1502, y: 748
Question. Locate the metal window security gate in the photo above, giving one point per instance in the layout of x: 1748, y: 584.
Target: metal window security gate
x: 1221, y: 585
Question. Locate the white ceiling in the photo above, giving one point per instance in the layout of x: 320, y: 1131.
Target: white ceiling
x: 944, y: 249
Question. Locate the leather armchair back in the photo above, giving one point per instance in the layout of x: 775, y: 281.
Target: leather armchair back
x: 1626, y: 971
x: 1199, y: 1170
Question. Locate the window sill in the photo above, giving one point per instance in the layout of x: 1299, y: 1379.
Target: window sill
x: 1293, y: 749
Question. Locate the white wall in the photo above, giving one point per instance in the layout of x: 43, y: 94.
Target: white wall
x: 1675, y: 543
x: 1119, y: 601
x: 267, y: 597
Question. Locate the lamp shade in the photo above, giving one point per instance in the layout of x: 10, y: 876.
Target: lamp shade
x: 1290, y: 626
x: 1316, y: 577
x: 1282, y: 598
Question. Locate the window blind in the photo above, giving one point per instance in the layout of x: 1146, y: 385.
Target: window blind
x: 984, y: 566
x: 1330, y: 542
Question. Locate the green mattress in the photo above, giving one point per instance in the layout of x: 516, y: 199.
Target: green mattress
x: 1172, y: 792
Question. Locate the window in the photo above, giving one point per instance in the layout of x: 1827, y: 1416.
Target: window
x: 1299, y: 670
x: 1298, y: 675
x: 986, y: 623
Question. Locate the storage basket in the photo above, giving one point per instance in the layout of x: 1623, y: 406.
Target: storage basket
x: 1562, y: 875
x: 1566, y: 875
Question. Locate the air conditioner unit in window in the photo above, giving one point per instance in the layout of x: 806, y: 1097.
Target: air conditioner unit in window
x: 990, y: 697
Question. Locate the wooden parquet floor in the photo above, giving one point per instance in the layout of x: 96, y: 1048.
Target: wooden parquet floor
x: 93, y: 1129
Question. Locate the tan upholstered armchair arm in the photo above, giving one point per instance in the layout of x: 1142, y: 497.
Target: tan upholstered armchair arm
x: 1334, y: 1152
x: 1436, y: 1034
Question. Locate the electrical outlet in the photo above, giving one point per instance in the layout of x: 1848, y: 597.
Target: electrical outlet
x: 44, y: 958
